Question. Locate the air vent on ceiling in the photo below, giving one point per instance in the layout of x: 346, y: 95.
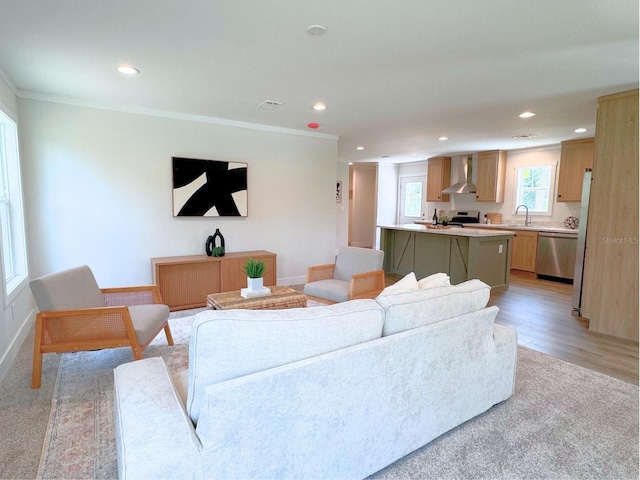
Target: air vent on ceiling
x: 525, y: 136
x: 270, y: 105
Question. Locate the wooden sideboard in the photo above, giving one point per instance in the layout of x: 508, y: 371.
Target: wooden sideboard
x: 185, y: 281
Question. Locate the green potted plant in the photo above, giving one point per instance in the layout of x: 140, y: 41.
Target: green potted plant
x: 254, y: 269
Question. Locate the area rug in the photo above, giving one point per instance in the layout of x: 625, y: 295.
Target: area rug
x: 563, y: 422
x: 80, y: 441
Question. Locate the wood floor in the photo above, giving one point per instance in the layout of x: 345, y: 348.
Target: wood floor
x: 540, y: 311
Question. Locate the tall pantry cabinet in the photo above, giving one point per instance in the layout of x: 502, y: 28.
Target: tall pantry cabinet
x: 610, y: 285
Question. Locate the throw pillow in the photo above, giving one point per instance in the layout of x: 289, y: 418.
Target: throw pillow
x: 431, y: 305
x: 408, y: 283
x: 435, y: 280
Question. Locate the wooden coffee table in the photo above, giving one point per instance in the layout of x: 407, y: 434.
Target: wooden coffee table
x: 281, y: 297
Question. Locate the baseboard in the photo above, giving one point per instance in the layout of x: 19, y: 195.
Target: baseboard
x: 292, y: 281
x: 11, y: 353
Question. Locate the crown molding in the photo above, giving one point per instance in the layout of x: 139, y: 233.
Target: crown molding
x: 171, y: 115
x: 5, y: 78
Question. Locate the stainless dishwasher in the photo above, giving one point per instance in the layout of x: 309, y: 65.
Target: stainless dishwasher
x: 556, y: 255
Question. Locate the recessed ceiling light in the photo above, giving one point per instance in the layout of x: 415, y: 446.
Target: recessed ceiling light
x: 319, y: 106
x: 443, y: 138
x: 527, y: 115
x: 127, y: 70
x: 580, y: 130
x: 360, y: 148
x: 525, y: 136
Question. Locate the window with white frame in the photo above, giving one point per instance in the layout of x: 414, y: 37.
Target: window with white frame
x: 533, y: 188
x: 14, y: 251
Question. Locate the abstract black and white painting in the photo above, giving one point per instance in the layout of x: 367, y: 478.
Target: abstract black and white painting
x: 209, y: 188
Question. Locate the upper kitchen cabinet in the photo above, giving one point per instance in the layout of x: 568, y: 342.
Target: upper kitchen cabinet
x: 576, y: 156
x: 492, y: 169
x: 438, y: 178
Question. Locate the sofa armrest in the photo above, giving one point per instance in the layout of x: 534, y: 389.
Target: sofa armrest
x: 366, y: 285
x: 155, y: 437
x: 320, y: 272
x: 506, y: 342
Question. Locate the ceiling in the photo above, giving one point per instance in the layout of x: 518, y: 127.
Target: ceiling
x: 395, y: 75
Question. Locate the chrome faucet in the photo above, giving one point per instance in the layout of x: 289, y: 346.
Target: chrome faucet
x: 527, y: 220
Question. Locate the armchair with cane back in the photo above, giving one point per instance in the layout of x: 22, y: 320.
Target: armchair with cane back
x: 356, y: 274
x: 75, y: 314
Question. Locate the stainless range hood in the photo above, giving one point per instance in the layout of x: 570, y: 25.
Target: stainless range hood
x: 466, y: 186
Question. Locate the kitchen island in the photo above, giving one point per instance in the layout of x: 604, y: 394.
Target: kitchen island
x: 462, y: 253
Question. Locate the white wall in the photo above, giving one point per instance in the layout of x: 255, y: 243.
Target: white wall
x: 16, y: 318
x: 342, y: 208
x: 387, y: 208
x: 98, y: 192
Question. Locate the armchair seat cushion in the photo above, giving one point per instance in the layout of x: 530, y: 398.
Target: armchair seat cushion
x: 148, y: 320
x: 332, y: 289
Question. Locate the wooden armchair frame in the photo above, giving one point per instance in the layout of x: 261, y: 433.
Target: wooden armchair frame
x: 361, y: 285
x: 94, y: 328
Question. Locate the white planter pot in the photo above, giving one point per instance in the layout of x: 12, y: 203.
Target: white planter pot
x: 254, y: 284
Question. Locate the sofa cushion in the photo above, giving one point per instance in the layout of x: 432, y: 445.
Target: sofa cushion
x: 409, y: 310
x: 226, y: 344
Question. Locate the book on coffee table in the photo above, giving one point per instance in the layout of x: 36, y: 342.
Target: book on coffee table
x: 263, y: 292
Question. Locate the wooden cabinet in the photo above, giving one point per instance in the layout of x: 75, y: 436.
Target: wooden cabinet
x: 438, y: 178
x: 524, y: 250
x: 610, y: 281
x: 492, y: 170
x: 576, y: 156
x: 185, y: 281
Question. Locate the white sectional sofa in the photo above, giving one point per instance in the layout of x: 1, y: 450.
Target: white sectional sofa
x: 337, y: 391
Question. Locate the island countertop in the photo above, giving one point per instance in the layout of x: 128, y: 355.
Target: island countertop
x: 452, y: 231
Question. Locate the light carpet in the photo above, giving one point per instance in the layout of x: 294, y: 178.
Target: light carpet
x: 563, y: 422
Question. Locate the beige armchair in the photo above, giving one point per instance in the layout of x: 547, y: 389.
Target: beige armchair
x: 357, y: 273
x: 75, y: 314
